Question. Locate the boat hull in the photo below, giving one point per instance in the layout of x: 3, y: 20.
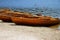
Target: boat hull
x: 6, y: 17
x: 34, y: 21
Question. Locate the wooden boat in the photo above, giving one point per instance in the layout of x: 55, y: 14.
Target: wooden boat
x: 4, y: 14
x: 6, y: 17
x: 35, y: 21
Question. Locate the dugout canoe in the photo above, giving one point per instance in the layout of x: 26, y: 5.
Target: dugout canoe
x: 36, y: 21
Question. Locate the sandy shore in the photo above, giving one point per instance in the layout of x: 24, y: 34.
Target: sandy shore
x: 10, y: 31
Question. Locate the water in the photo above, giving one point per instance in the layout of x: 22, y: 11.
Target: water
x: 44, y: 11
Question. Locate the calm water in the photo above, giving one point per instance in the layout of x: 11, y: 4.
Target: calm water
x: 44, y: 11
